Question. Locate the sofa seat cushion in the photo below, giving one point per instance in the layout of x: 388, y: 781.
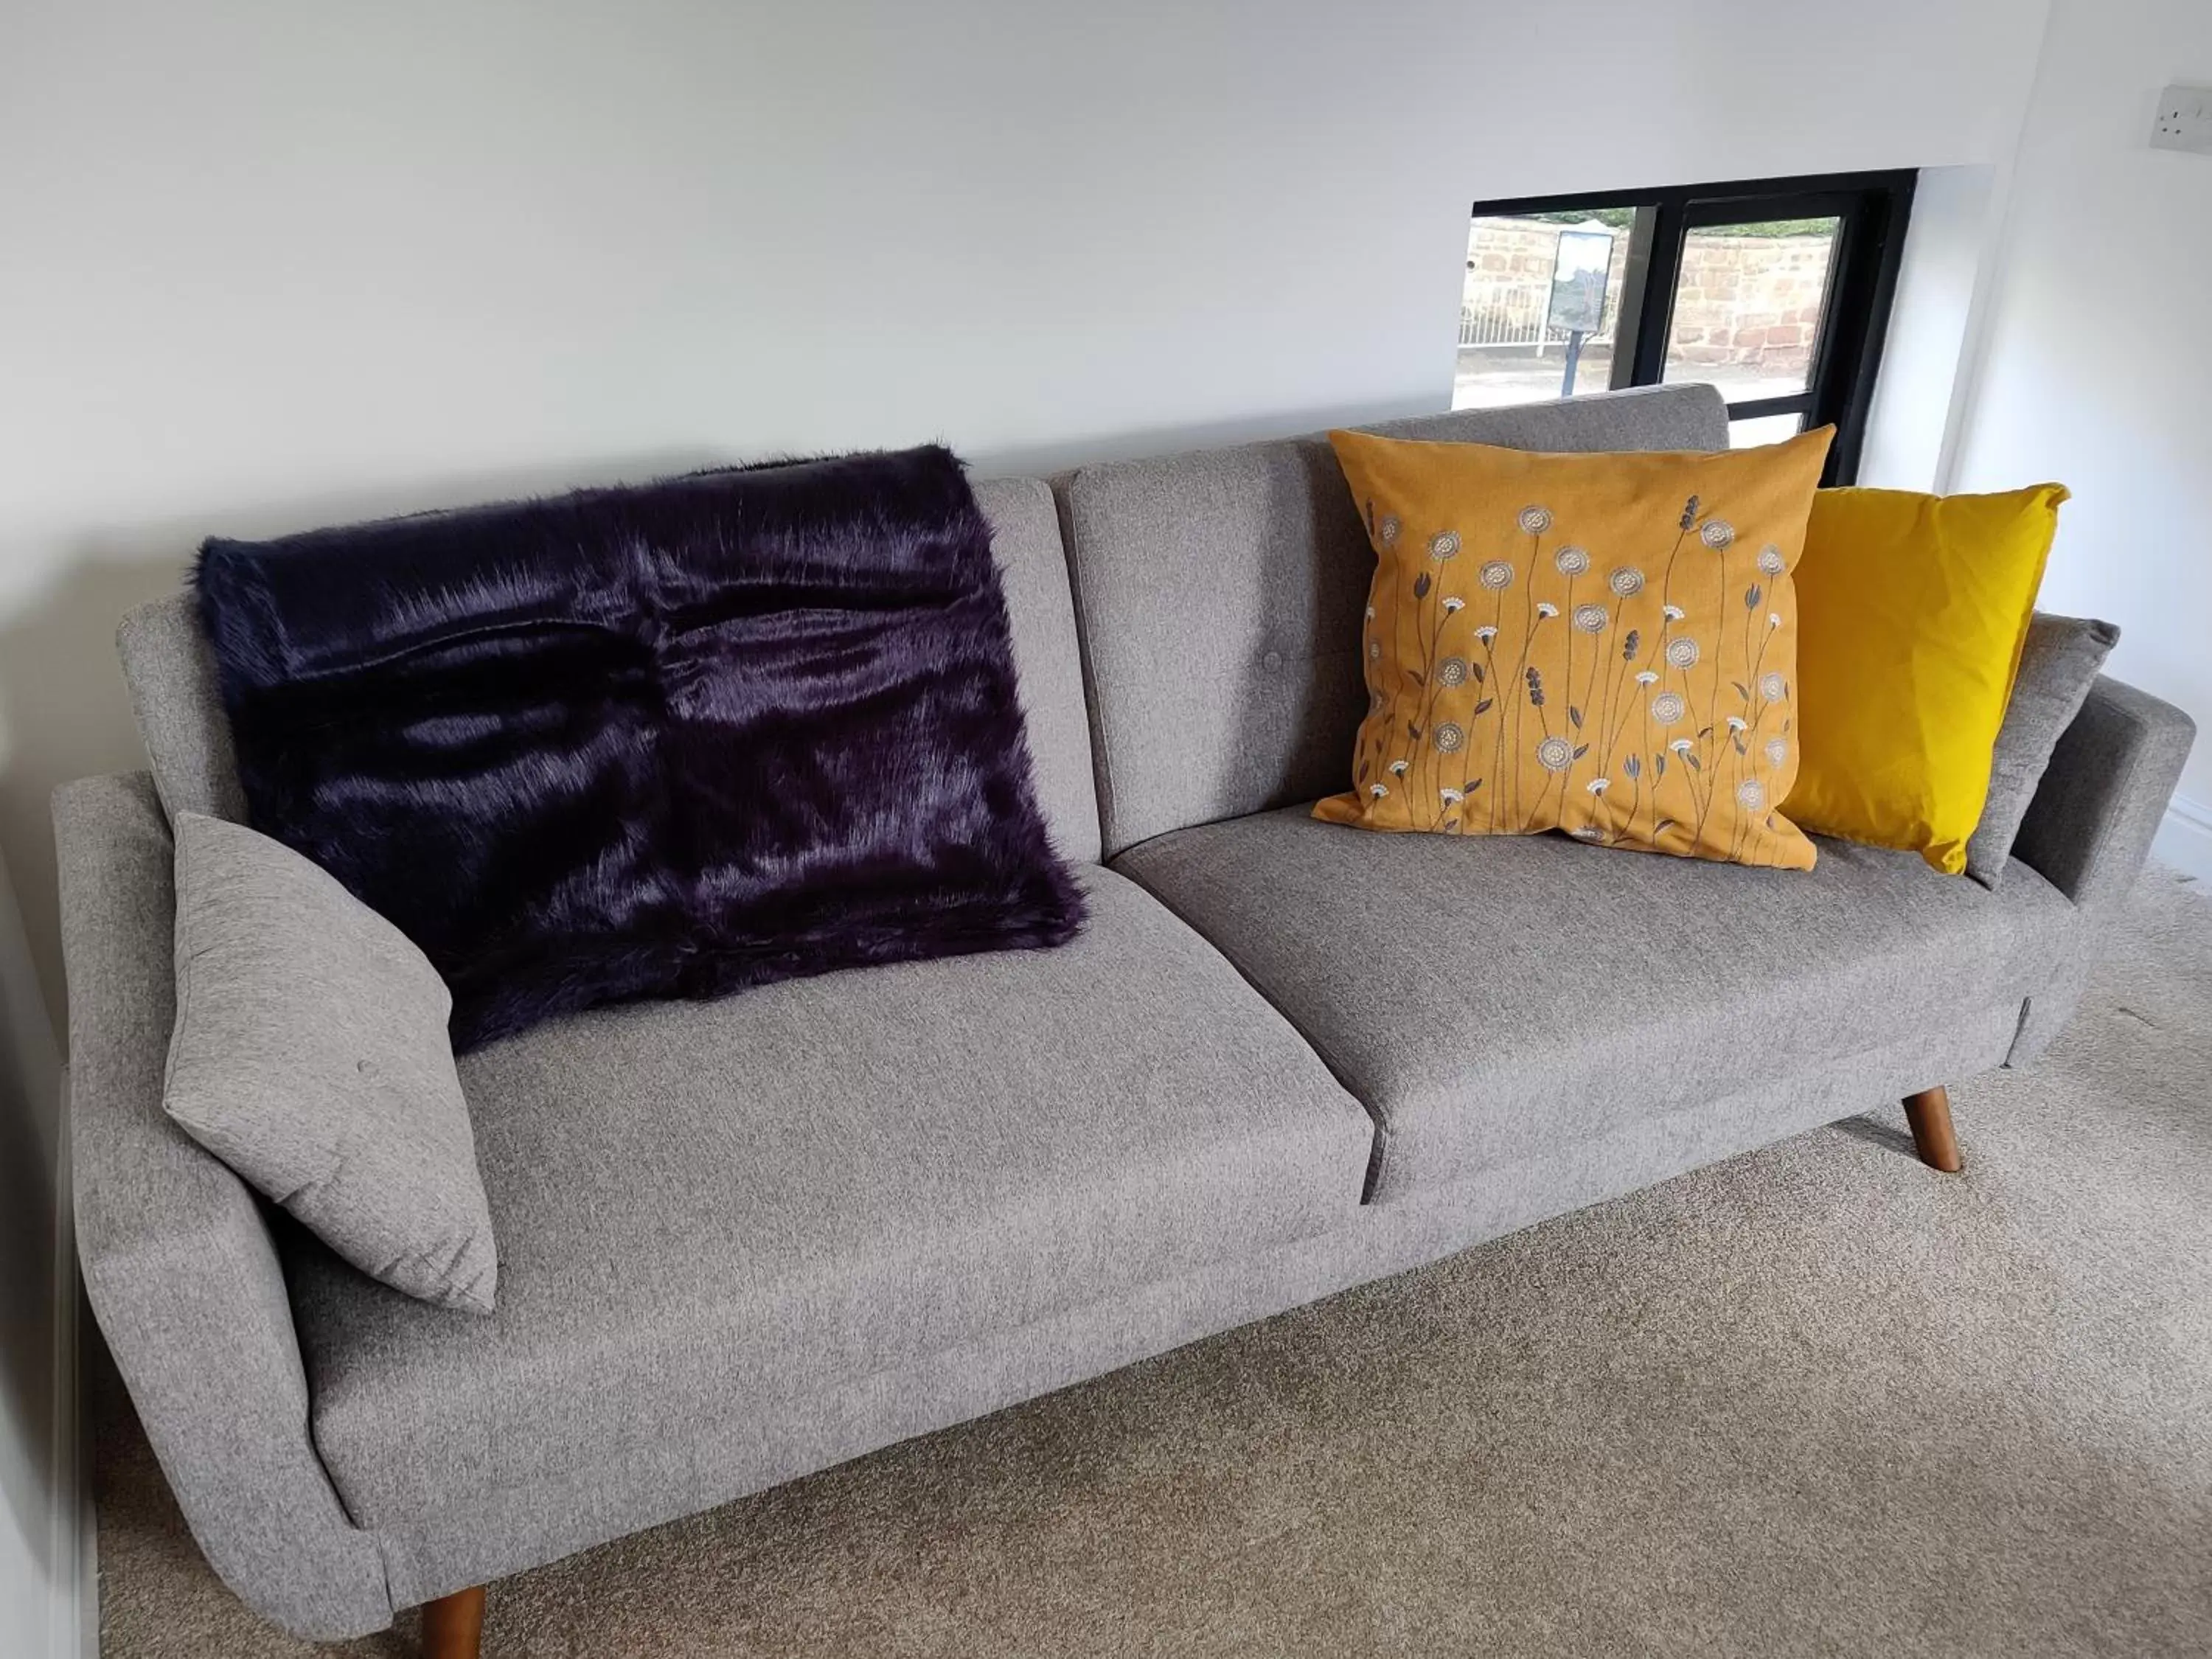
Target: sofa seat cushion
x: 1487, y: 998
x: 705, y: 1210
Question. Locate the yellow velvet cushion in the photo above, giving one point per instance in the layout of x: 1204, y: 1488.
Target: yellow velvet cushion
x: 1915, y: 610
x: 1601, y: 644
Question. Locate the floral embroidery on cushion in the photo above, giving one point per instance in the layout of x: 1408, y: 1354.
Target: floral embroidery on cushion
x: 1619, y: 669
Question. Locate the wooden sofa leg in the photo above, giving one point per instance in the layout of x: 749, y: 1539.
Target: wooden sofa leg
x: 452, y: 1625
x: 1929, y: 1112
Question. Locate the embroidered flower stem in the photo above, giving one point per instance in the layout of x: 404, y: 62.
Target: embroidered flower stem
x: 1528, y: 638
x: 1608, y: 734
x: 1643, y: 704
x: 1427, y: 702
x: 1568, y: 611
x: 1498, y: 713
x: 1758, y: 713
x: 1545, y: 749
x: 1667, y: 580
x: 1591, y: 704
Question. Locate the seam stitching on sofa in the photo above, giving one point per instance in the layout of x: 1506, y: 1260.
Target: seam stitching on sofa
x: 1094, y: 706
x: 1314, y: 1045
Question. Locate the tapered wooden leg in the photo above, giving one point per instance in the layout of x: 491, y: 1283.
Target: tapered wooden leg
x: 1929, y: 1112
x: 452, y: 1625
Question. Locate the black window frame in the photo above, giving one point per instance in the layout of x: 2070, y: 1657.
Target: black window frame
x: 1873, y: 210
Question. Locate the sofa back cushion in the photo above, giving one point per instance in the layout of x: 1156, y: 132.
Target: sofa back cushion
x: 1220, y: 592
x: 170, y: 668
x: 2058, y: 665
x: 172, y: 676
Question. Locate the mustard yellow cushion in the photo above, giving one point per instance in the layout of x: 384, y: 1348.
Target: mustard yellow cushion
x: 1601, y: 644
x: 1915, y: 610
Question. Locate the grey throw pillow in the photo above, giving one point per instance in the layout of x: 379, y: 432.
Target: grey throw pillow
x: 311, y: 1056
x: 2057, y: 665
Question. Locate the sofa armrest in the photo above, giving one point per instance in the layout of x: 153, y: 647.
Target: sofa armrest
x: 179, y: 1263
x: 2089, y: 827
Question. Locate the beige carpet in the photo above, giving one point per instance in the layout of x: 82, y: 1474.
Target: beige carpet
x: 1815, y: 1400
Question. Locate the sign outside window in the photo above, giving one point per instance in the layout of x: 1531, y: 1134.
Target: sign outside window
x: 1579, y: 279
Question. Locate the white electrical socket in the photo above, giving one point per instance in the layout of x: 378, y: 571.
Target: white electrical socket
x: 2184, y: 120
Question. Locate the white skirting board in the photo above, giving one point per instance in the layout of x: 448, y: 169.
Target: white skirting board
x: 2184, y: 839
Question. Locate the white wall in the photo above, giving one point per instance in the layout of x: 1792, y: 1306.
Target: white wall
x: 39, y: 1534
x: 270, y: 264
x: 2097, y: 369
x: 1943, y: 287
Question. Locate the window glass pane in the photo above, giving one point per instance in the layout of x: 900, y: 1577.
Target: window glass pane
x: 1763, y: 429
x: 1536, y: 317
x: 1748, y: 306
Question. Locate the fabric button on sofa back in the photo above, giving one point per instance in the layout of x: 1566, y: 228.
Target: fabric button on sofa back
x: 745, y: 1239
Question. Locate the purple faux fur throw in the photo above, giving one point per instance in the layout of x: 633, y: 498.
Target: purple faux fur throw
x: 657, y: 742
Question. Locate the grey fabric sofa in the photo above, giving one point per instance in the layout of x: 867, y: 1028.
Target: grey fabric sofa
x: 746, y: 1239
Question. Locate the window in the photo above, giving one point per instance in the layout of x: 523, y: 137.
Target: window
x: 1775, y: 291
